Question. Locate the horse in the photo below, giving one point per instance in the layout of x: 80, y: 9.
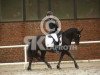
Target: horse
x: 72, y: 34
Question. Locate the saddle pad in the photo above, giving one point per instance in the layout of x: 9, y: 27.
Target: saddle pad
x: 49, y: 41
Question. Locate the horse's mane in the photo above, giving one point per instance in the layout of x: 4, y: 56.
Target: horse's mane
x: 70, y: 30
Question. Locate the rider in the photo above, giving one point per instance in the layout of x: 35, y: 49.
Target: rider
x: 53, y: 25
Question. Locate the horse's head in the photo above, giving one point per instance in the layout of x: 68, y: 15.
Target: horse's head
x: 76, y: 36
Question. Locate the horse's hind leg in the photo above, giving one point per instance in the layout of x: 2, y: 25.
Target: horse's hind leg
x: 75, y: 63
x: 44, y: 60
x: 30, y: 62
x: 61, y: 57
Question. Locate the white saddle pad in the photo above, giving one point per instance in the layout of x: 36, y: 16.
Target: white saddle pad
x: 49, y: 41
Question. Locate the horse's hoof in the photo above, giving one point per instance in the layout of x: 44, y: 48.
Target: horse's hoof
x: 29, y: 69
x: 58, y: 67
x: 76, y: 66
x: 49, y: 67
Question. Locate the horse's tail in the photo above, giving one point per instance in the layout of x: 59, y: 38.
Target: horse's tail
x: 29, y: 51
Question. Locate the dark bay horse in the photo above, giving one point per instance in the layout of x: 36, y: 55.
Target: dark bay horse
x: 72, y: 34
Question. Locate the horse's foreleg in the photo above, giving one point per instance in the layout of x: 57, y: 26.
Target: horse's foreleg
x: 30, y: 62
x: 75, y: 63
x: 60, y: 59
x: 44, y: 60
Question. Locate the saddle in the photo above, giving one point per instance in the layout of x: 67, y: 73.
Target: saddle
x: 53, y: 39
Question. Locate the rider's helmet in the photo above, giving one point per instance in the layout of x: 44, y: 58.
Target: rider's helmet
x: 49, y: 13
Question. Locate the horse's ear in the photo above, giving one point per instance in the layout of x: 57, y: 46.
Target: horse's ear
x: 81, y: 30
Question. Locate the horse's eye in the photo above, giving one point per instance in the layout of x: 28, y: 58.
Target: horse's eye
x: 79, y: 35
